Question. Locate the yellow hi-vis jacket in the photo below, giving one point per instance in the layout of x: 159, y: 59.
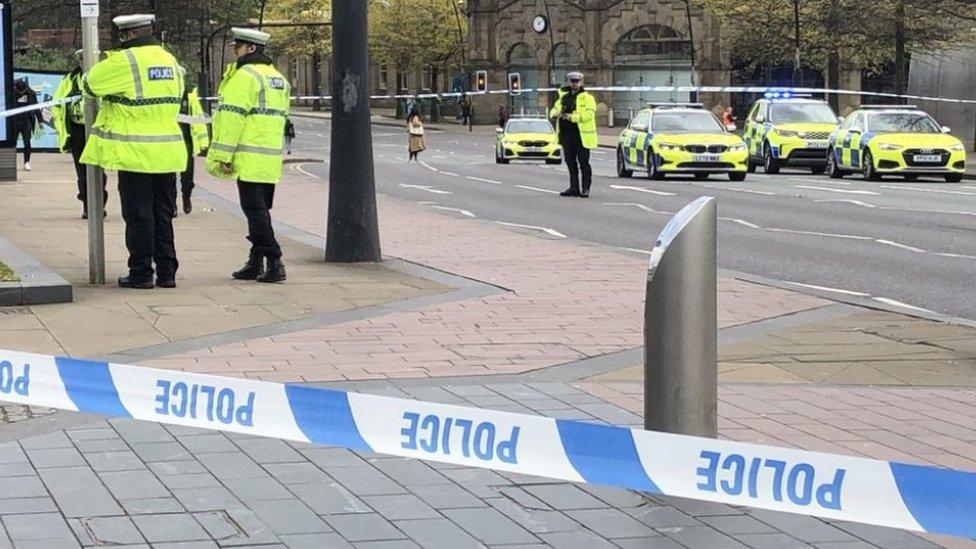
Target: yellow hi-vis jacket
x: 73, y: 112
x: 191, y: 114
x: 141, y: 88
x: 584, y: 115
x: 249, y: 126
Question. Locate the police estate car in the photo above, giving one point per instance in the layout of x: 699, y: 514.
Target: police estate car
x: 783, y: 129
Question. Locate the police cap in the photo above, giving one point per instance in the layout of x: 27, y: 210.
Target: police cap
x: 250, y: 36
x: 135, y: 21
x: 575, y: 75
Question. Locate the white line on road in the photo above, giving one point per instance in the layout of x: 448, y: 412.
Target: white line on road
x: 546, y: 230
x: 899, y: 245
x: 736, y: 189
x: 889, y: 301
x: 452, y: 174
x: 827, y: 289
x: 537, y: 189
x: 483, y: 180
x: 636, y: 205
x: 815, y: 233
x: 828, y: 189
x: 458, y: 210
x: 641, y: 189
x: 923, y: 189
x: 427, y: 188
x: 638, y: 250
x: 959, y: 256
x: 312, y: 175
x: 848, y: 201
x: 742, y: 222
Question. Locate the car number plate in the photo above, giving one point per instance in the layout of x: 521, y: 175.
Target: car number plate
x: 533, y: 149
x: 817, y: 144
x: 927, y: 158
x: 705, y: 158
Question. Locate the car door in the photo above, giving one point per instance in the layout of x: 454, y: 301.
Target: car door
x: 756, y: 131
x: 637, y: 139
x: 851, y: 142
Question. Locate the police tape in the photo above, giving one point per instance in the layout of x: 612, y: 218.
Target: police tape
x: 38, y: 106
x: 911, y: 497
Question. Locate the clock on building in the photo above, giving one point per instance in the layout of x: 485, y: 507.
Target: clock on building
x: 540, y: 24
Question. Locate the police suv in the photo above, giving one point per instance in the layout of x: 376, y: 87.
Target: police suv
x: 787, y: 129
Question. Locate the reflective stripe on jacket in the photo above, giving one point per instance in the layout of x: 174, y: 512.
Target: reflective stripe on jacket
x: 584, y: 116
x: 70, y: 86
x: 249, y: 125
x: 141, y: 88
x: 198, y: 127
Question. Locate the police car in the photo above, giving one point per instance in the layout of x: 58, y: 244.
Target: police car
x: 527, y: 138
x: 900, y: 140
x: 786, y: 129
x: 668, y: 138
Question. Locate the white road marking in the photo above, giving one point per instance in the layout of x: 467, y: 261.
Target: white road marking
x: 638, y: 250
x: 959, y: 256
x: 546, y: 230
x: 899, y: 245
x: 641, y: 189
x: 427, y: 188
x: 636, y: 205
x: 452, y: 174
x: 923, y: 189
x: 537, y: 189
x: 742, y: 222
x: 736, y: 189
x: 828, y: 189
x: 827, y: 289
x: 459, y: 210
x: 427, y: 203
x: 815, y: 233
x: 848, y: 201
x: 483, y: 180
x: 312, y: 175
x: 889, y: 301
x: 811, y: 180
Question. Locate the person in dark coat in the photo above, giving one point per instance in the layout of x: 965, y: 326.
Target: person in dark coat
x: 24, y: 123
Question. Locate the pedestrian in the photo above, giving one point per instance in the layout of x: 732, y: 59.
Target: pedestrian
x: 24, y: 123
x: 575, y: 112
x: 69, y: 123
x: 289, y: 134
x: 248, y: 137
x: 728, y: 117
x: 502, y: 115
x: 411, y: 105
x: 193, y: 124
x: 140, y: 86
x: 465, y: 106
x: 415, y: 135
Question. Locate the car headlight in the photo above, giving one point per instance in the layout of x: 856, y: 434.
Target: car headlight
x: 738, y: 147
x: 670, y: 147
x: 787, y: 133
x: 957, y: 148
x: 889, y: 147
x: 508, y: 143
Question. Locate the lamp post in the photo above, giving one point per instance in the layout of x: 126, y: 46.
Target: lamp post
x: 797, y: 71
x: 552, y: 57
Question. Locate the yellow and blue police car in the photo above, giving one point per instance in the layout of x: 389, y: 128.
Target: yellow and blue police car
x: 669, y: 138
x: 786, y: 129
x: 900, y: 140
x: 527, y: 138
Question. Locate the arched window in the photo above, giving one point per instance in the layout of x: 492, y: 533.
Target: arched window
x: 564, y: 56
x: 649, y: 43
x: 521, y: 55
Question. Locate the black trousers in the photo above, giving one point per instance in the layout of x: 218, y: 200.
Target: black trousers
x: 256, y: 202
x: 578, y: 160
x: 147, y: 207
x: 186, y: 178
x: 76, y: 142
x: 24, y: 131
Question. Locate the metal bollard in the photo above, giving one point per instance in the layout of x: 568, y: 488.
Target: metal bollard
x: 610, y: 117
x: 681, y: 327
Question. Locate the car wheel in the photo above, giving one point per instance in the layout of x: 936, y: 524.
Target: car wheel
x: 652, y: 171
x: 833, y: 170
x: 737, y: 176
x: 770, y: 164
x: 953, y: 177
x: 622, y: 170
x: 910, y: 176
x: 817, y: 170
x: 870, y: 173
x: 701, y: 176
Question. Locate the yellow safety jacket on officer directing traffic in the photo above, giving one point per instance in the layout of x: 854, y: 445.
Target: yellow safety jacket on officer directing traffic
x: 194, y: 116
x: 73, y: 112
x: 584, y: 115
x: 249, y: 126
x: 141, y: 88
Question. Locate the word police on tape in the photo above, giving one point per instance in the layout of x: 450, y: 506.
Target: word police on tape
x: 912, y: 497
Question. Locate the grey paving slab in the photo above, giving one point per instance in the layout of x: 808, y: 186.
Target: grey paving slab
x: 518, y: 495
x: 468, y: 391
x: 699, y: 508
x: 564, y: 496
x: 480, y: 482
x: 266, y: 450
x: 95, y: 433
x: 289, y: 517
x: 410, y: 472
x: 658, y: 542
x: 257, y: 489
x: 195, y: 480
x: 134, y: 484
x: 535, y: 521
x: 22, y: 487
x: 40, y: 526
x: 885, y: 537
x: 124, y: 460
x: 662, y: 516
x: 207, y: 499
x: 56, y: 439
x: 387, y: 544
x: 152, y: 506
x: 141, y: 432
x: 79, y: 492
x: 102, y: 445
x: 329, y: 498
x: 701, y: 537
x: 437, y: 534
x: 17, y: 470
x: 160, y: 451
x: 366, y: 481
x: 236, y: 528
x: 446, y: 496
x: 186, y: 545
x: 802, y: 527
x: 48, y: 544
x: 54, y: 457
x: 315, y: 541
x: 21, y: 506
x: 364, y: 527
x: 170, y: 527
x: 575, y: 540
x: 11, y: 452
x: 231, y: 466
x: 5, y: 542
x: 168, y: 468
x: 329, y: 458
x: 771, y: 541
x: 297, y: 473
x: 490, y: 526
x: 737, y: 524
x: 401, y: 507
x: 610, y: 523
x: 110, y: 530
x: 614, y: 497
x: 207, y: 443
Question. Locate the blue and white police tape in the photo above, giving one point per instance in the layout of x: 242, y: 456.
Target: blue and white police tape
x: 39, y: 106
x: 912, y: 497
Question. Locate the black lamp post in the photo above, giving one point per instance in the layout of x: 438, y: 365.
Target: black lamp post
x: 797, y: 71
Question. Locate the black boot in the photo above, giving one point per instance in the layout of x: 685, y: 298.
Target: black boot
x: 130, y: 282
x: 572, y: 191
x: 275, y: 272
x: 187, y: 204
x: 252, y: 269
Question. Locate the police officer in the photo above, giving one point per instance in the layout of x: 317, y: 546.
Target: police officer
x: 193, y: 124
x: 575, y: 114
x: 136, y: 133
x: 69, y: 122
x: 248, y: 135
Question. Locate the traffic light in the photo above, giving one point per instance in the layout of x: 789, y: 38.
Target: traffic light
x: 514, y: 83
x: 481, y: 81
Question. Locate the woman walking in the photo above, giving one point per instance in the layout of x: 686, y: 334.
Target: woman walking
x: 24, y: 123
x: 415, y: 135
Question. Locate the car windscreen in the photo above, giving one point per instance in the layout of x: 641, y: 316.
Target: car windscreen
x: 901, y: 122
x: 801, y: 113
x: 685, y: 122
x: 528, y: 126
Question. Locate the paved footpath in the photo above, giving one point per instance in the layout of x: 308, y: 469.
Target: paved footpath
x: 478, y: 315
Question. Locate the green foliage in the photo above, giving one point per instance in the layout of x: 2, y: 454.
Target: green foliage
x: 7, y: 274
x: 415, y: 33
x: 44, y: 60
x: 301, y: 41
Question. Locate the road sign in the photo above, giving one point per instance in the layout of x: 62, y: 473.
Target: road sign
x: 89, y: 8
